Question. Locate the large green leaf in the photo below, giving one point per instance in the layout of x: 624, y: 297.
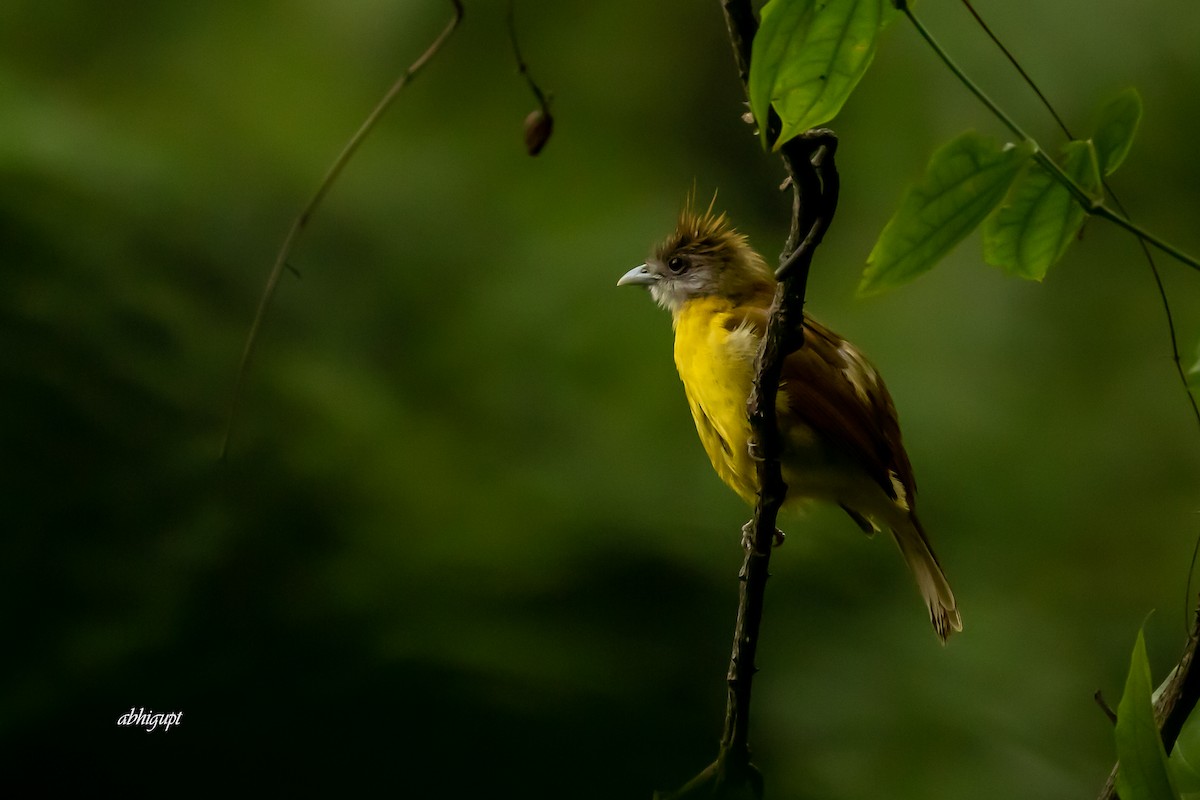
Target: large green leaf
x: 1039, y: 218
x: 1118, y: 122
x: 808, y: 56
x: 1142, y: 772
x: 964, y: 181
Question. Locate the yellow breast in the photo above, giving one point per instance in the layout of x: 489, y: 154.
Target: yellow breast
x: 716, y: 364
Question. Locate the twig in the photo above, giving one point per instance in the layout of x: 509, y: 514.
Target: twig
x: 314, y: 202
x: 1105, y: 707
x: 1017, y: 66
x: 741, y: 25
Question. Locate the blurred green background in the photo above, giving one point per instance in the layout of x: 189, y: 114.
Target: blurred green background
x: 467, y: 542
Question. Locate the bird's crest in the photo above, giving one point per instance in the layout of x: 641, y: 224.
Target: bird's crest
x: 701, y: 233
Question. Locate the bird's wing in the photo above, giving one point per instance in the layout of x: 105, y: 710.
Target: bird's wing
x: 831, y: 387
x: 834, y: 389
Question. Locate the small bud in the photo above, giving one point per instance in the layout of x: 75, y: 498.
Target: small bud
x: 538, y: 127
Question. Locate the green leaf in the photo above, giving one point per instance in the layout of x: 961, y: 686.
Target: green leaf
x: 1118, y: 123
x: 781, y: 21
x: 964, y: 181
x: 1142, y: 763
x: 808, y: 56
x: 1039, y: 218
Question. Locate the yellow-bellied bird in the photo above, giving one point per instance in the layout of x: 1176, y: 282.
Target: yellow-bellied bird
x: 839, y: 427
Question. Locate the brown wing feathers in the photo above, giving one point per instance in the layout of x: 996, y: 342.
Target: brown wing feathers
x: 852, y: 407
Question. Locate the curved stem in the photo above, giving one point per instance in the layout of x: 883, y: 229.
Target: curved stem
x: 1017, y: 66
x: 523, y: 68
x: 963, y: 78
x: 314, y: 202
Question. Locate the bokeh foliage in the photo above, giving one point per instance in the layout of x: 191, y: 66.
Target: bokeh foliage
x: 467, y: 538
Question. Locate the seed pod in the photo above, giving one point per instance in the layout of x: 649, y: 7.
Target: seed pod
x: 538, y: 127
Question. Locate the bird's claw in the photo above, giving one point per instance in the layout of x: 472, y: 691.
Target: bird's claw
x: 748, y: 536
x: 754, y: 450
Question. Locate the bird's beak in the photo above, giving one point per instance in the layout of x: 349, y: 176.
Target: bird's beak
x: 638, y: 276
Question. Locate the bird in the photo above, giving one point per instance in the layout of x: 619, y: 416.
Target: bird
x: 837, y: 421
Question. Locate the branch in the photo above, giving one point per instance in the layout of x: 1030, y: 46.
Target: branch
x: 741, y: 25
x: 809, y: 160
x: 301, y: 221
x: 1182, y: 691
x: 1175, y: 702
x: 815, y: 187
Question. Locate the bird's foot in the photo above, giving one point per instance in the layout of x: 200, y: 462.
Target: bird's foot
x: 754, y: 449
x: 748, y: 536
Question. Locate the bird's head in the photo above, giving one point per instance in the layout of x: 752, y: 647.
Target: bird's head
x: 704, y: 256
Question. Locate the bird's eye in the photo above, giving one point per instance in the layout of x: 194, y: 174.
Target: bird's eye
x: 677, y: 264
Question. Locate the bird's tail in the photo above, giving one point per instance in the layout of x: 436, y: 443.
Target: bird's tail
x: 935, y: 589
